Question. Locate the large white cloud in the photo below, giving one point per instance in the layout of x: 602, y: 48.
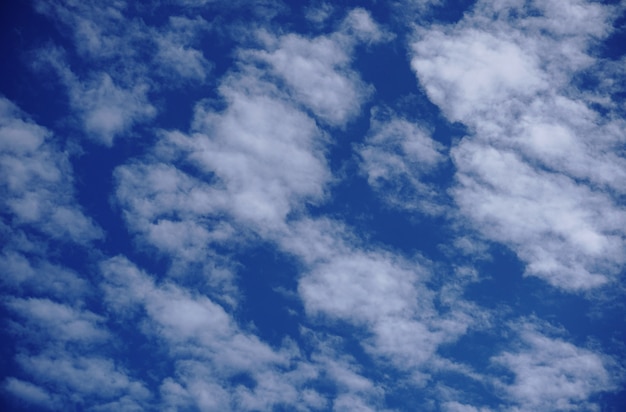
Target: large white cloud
x: 541, y: 169
x: 382, y: 292
x: 263, y: 155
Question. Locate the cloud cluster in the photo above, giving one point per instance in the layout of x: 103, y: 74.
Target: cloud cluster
x: 551, y: 374
x: 138, y: 58
x: 541, y: 171
x: 206, y: 347
x: 36, y: 182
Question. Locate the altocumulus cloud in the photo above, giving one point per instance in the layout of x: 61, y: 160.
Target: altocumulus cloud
x: 276, y: 205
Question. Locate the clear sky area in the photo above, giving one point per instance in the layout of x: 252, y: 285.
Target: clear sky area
x: 281, y: 205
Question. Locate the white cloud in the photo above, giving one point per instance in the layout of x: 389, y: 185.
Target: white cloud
x: 360, y: 286
x: 81, y: 377
x: 58, y: 341
x: 35, y: 276
x: 417, y: 8
x: 560, y: 228
x: 189, y: 323
x: 176, y: 51
x: 105, y: 108
x: 352, y: 384
x: 251, y: 167
x: 123, y: 404
x: 552, y: 374
x: 257, y: 161
x: 349, y: 402
x: 108, y: 110
x: 318, y: 14
x: 359, y: 23
x: 124, y: 61
x: 460, y: 407
x: 36, y: 180
x: 182, y: 217
x: 29, y: 392
x: 263, y: 159
x: 171, y: 209
x: 95, y: 26
x: 266, y: 156
x: 206, y: 346
x: 396, y: 156
x: 540, y: 169
x: 465, y: 73
x: 378, y: 290
x: 310, y: 69
x: 265, y: 152
x: 110, y: 94
x: 317, y: 70
x: 43, y: 317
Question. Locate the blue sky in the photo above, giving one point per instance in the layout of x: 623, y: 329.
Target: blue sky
x: 313, y: 206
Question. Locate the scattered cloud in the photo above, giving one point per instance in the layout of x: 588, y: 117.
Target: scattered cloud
x: 237, y: 151
x: 207, y: 346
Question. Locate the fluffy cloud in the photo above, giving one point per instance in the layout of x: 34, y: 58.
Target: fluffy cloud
x: 260, y: 160
x: 380, y: 291
x: 262, y: 154
x: 173, y: 209
x: 552, y: 374
x: 30, y: 393
x: 563, y: 230
x: 36, y: 180
x: 176, y: 51
x: 60, y: 358
x: 267, y: 154
x: 534, y: 173
x: 78, y: 378
x: 54, y: 319
x: 207, y: 346
x: 317, y: 70
x: 26, y: 273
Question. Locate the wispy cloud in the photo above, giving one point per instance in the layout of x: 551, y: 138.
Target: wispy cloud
x: 397, y: 158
